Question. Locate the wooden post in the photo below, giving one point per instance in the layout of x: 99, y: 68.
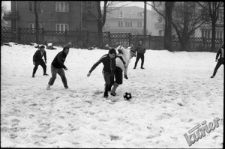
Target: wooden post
x: 12, y: 32
x: 42, y: 35
x: 19, y: 34
x: 149, y: 41
x: 203, y: 40
x: 145, y: 18
x: 109, y: 37
x: 88, y: 38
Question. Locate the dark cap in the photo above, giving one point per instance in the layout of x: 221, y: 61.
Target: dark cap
x: 112, y: 50
x: 41, y: 46
x: 66, y: 47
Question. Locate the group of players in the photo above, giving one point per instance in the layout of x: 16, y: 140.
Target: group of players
x: 114, y: 65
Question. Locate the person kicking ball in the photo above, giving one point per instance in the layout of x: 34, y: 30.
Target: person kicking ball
x: 108, y: 61
x: 121, y: 67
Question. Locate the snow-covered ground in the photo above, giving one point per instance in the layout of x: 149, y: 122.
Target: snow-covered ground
x: 172, y: 95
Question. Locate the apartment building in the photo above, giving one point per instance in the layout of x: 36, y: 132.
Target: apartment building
x: 53, y: 15
x: 130, y: 20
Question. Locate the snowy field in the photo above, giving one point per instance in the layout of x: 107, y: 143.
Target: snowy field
x: 172, y: 95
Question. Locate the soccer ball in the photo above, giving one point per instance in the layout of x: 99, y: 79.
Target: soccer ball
x: 127, y: 96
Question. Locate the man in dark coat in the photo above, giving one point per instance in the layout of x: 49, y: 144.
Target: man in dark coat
x: 140, y: 54
x: 220, y: 61
x: 109, y: 63
x: 58, y: 66
x: 37, y: 60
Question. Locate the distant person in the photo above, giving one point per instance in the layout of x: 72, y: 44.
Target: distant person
x: 58, y: 66
x: 37, y: 60
x: 219, y: 61
x: 109, y: 63
x: 122, y: 63
x: 140, y: 54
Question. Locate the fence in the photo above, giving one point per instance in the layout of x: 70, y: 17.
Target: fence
x: 87, y: 39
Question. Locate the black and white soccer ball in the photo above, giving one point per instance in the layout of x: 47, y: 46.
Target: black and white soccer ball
x: 127, y: 96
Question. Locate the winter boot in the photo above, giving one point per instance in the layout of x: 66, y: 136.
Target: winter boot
x: 113, y: 92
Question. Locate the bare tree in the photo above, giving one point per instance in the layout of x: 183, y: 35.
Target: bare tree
x: 211, y: 10
x: 166, y: 13
x: 187, y: 17
x: 168, y: 23
x: 100, y: 16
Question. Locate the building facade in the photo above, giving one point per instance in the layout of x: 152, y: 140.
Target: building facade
x: 130, y: 20
x: 206, y: 30
x: 52, y: 15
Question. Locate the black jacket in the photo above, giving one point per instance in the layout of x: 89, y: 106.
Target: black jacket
x: 38, y: 56
x: 109, y: 64
x: 220, y: 53
x: 140, y: 49
x: 59, y: 60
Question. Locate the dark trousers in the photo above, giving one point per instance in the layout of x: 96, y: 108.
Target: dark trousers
x: 59, y: 71
x: 42, y: 63
x: 219, y: 63
x: 118, y: 75
x: 109, y: 80
x: 140, y: 55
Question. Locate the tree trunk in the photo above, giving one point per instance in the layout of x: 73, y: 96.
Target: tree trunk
x: 36, y: 22
x: 168, y: 21
x: 185, y: 34
x: 185, y: 45
x: 100, y: 34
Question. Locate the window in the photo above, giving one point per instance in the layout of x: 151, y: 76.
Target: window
x: 31, y: 6
x: 140, y: 14
x: 120, y: 14
x: 62, y: 7
x: 206, y: 33
x: 221, y: 15
x: 89, y: 5
x: 32, y: 25
x: 120, y: 23
x: 62, y: 27
x: 139, y: 24
x: 219, y: 34
x: 128, y: 24
x: 160, y: 19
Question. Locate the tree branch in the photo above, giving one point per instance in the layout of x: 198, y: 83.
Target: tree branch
x: 153, y: 6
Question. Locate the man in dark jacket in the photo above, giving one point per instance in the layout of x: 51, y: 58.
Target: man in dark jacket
x: 37, y: 60
x: 109, y: 63
x: 58, y: 66
x: 219, y: 61
x: 140, y: 54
